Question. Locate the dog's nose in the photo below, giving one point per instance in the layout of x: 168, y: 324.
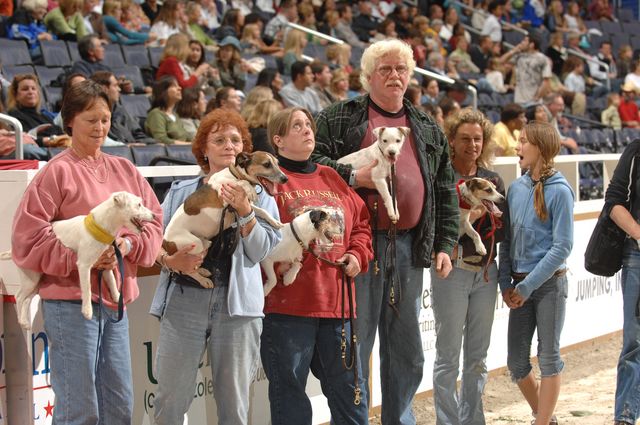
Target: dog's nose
x: 284, y: 179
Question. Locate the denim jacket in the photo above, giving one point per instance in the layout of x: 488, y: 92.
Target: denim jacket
x: 246, y: 297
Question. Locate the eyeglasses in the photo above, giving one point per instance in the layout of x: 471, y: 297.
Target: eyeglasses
x: 386, y: 70
x: 220, y: 141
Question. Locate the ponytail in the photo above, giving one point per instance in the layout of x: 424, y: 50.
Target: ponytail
x: 538, y: 195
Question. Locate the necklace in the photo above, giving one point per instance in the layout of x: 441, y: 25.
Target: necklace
x: 97, y: 167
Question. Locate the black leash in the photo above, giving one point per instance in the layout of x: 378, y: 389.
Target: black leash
x: 390, y: 269
x: 346, y: 283
x: 100, y: 303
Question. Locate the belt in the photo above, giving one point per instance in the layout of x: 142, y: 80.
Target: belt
x: 519, y: 277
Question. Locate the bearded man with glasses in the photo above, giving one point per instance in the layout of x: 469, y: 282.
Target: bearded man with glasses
x: 389, y: 300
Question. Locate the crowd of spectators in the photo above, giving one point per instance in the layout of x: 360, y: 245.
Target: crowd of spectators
x: 526, y: 59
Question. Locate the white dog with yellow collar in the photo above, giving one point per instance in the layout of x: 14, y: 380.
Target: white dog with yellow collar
x: 89, y: 236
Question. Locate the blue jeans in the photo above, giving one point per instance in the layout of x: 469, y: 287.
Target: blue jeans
x: 85, y: 396
x: 463, y: 306
x: 401, y: 354
x: 196, y: 319
x: 544, y: 310
x: 291, y: 346
x: 628, y: 382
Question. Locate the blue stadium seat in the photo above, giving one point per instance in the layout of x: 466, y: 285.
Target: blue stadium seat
x: 611, y: 27
x: 142, y: 155
x: 626, y: 15
x: 155, y: 53
x: 619, y: 40
x: 11, y: 71
x: 130, y: 72
x: 251, y: 82
x: 181, y: 152
x: 47, y: 75
x: 14, y: 52
x: 72, y: 46
x: 513, y: 37
x: 631, y: 28
x: 136, y: 55
x: 137, y: 105
x: 635, y: 42
x: 55, y: 53
x: 593, y: 25
x: 122, y: 151
x: 113, y: 56
x: 52, y: 95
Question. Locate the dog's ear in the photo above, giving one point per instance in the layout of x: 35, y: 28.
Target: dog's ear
x: 243, y: 159
x: 378, y: 131
x: 119, y: 199
x: 405, y: 131
x: 317, y: 217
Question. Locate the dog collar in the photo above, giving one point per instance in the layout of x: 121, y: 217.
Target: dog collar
x: 461, y: 202
x: 98, y: 233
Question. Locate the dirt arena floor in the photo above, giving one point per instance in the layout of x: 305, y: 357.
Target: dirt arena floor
x: 586, y: 397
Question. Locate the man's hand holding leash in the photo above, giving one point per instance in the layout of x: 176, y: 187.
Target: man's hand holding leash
x: 352, y: 265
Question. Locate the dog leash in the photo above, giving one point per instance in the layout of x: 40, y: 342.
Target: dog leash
x: 390, y: 264
x: 120, y: 300
x: 346, y: 283
x: 496, y: 223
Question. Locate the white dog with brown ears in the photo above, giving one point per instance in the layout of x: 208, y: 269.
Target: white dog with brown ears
x: 89, y: 236
x: 197, y: 220
x: 476, y: 193
x: 313, y: 225
x: 385, y: 150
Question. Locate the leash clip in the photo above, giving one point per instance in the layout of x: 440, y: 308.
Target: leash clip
x: 357, y: 398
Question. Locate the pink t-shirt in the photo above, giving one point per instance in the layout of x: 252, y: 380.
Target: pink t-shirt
x: 410, y: 183
x: 66, y: 187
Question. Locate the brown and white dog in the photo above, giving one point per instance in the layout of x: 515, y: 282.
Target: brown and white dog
x: 313, y: 225
x: 385, y: 150
x: 197, y: 220
x: 476, y: 193
x: 88, y: 236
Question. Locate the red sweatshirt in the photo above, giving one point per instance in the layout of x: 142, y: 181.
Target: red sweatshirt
x: 171, y: 66
x: 317, y: 290
x: 67, y: 187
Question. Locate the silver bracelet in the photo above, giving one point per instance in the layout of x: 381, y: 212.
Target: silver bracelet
x: 243, y: 221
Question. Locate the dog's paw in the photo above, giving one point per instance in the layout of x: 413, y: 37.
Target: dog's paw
x: 26, y: 325
x: 480, y: 249
x: 394, y: 218
x: 206, y: 283
x: 204, y: 272
x: 268, y: 287
x: 87, y: 312
x: 115, y: 295
x: 289, y: 277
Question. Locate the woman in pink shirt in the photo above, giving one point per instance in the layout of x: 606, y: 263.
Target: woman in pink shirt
x: 90, y: 359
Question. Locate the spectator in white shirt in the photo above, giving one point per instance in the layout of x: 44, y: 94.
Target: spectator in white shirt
x: 299, y: 92
x: 492, y: 26
x: 277, y: 26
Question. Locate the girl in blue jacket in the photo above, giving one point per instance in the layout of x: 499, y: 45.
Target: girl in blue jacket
x: 538, y: 240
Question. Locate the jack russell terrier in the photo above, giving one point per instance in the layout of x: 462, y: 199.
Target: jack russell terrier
x: 312, y: 225
x: 385, y: 150
x: 476, y: 193
x: 81, y: 234
x: 197, y: 221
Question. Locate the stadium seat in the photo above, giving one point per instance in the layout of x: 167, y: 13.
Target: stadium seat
x: 142, y: 155
x: 54, y: 151
x: 155, y: 53
x: 626, y: 15
x: 55, y: 53
x: 113, y: 56
x: 619, y: 40
x: 136, y: 55
x: 52, y: 96
x: 130, y: 72
x: 611, y: 27
x: 47, y: 75
x: 251, y: 82
x: 11, y: 71
x: 137, y: 105
x: 122, y: 151
x: 631, y: 28
x: 593, y: 25
x: 512, y: 37
x: 14, y: 52
x: 72, y: 46
x: 181, y: 152
x: 356, y: 55
x: 635, y: 42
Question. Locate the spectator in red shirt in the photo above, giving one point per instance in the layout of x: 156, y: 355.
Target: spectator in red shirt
x: 173, y: 62
x: 628, y: 109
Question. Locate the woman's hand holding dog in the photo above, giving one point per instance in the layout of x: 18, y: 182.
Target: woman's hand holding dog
x: 236, y: 197
x: 183, y: 261
x: 107, y: 261
x: 352, y: 265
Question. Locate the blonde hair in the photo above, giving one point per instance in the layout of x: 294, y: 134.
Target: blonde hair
x: 247, y: 32
x: 377, y: 50
x: 14, y: 87
x: 262, y: 113
x: 546, y: 138
x: 32, y: 5
x: 293, y: 42
x: 340, y: 53
x: 336, y: 76
x: 178, y: 46
x: 470, y: 116
x: 110, y: 6
x: 254, y: 97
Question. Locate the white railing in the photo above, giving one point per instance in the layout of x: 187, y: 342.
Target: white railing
x: 315, y: 33
x: 17, y: 128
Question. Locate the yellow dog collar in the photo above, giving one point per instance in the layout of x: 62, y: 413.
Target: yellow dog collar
x: 96, y: 231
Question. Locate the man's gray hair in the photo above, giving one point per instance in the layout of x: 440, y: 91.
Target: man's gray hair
x: 377, y: 50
